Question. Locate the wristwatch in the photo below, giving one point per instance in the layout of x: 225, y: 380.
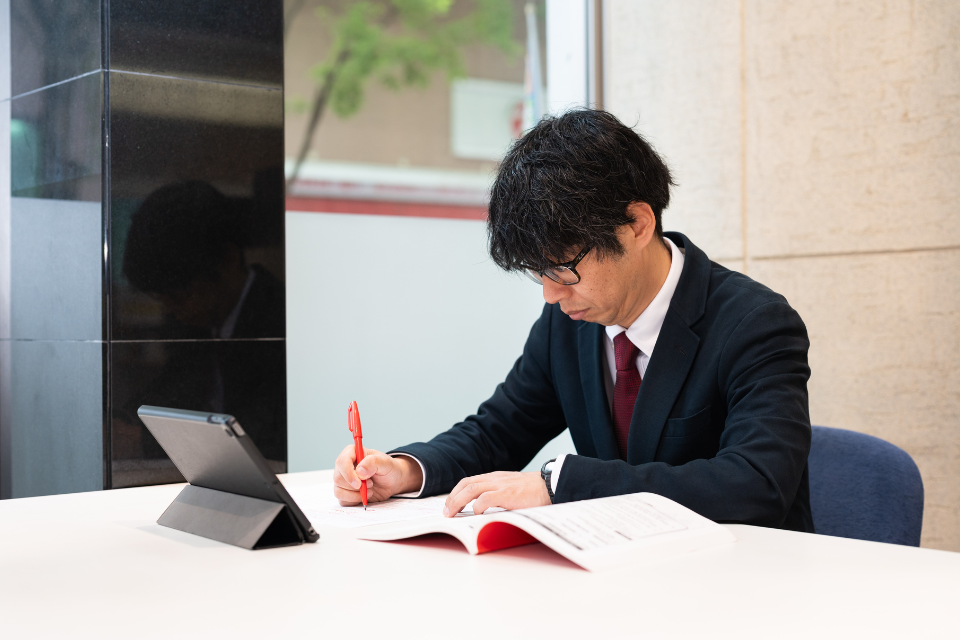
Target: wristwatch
x: 545, y: 472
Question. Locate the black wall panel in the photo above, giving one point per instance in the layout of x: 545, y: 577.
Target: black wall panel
x: 147, y: 232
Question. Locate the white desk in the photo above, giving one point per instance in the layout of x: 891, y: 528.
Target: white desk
x: 97, y: 565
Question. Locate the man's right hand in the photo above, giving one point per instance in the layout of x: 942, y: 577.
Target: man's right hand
x: 385, y: 476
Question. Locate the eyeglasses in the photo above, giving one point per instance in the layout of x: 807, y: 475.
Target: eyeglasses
x: 565, y: 273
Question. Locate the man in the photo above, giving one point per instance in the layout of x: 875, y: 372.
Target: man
x: 185, y: 249
x: 673, y: 374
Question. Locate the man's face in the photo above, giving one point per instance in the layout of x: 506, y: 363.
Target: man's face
x: 601, y: 296
x: 196, y: 304
x: 206, y: 300
x: 614, y: 291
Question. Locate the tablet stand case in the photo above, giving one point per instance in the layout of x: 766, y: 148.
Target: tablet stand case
x: 243, y: 521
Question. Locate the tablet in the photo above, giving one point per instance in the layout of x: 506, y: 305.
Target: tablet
x: 212, y: 450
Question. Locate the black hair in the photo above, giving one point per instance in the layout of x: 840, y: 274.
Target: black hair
x: 179, y: 234
x: 566, y: 185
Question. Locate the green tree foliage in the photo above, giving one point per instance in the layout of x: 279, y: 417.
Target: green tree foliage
x: 398, y: 43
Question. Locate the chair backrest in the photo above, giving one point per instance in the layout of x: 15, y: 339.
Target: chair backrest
x: 865, y: 488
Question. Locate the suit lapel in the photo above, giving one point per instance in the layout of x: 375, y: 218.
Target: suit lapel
x: 669, y: 367
x: 592, y: 378
x: 676, y: 347
x: 673, y: 357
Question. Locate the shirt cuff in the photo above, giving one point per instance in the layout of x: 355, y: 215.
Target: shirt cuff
x: 423, y: 474
x: 554, y: 475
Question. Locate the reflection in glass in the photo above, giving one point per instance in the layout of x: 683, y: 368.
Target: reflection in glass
x: 245, y: 378
x: 51, y: 355
x: 194, y: 232
x: 55, y: 141
x: 404, y: 138
x: 225, y: 40
x: 197, y: 257
x: 52, y: 41
x: 227, y: 137
x: 56, y: 417
x: 185, y: 251
x: 56, y: 269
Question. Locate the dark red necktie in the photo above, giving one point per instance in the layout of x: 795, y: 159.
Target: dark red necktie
x: 625, y: 389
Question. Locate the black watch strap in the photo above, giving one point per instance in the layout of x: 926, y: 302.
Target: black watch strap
x: 546, y: 471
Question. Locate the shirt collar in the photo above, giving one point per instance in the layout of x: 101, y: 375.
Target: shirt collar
x: 646, y: 329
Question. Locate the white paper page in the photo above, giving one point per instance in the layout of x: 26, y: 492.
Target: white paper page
x: 599, y: 524
x: 322, y: 509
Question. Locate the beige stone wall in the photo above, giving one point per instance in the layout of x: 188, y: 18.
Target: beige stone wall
x: 817, y: 144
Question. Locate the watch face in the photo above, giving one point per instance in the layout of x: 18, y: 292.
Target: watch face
x: 546, y: 471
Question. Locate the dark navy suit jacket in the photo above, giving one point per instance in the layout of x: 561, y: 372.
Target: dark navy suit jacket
x: 721, y: 423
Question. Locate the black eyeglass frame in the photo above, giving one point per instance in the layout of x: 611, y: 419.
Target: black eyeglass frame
x: 571, y: 266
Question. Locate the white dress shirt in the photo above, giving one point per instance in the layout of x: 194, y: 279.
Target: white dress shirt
x: 643, y: 333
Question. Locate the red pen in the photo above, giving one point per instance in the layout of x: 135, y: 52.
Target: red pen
x: 353, y: 423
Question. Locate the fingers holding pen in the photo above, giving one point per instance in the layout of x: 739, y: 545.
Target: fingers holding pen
x: 376, y: 469
x: 344, y: 473
x: 373, y: 464
x: 346, y: 497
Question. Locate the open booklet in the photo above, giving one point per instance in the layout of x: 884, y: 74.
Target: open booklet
x: 595, y: 534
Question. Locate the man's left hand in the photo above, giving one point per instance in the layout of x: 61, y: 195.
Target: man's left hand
x: 505, y: 489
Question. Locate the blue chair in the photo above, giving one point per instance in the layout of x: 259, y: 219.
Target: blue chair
x: 864, y: 488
